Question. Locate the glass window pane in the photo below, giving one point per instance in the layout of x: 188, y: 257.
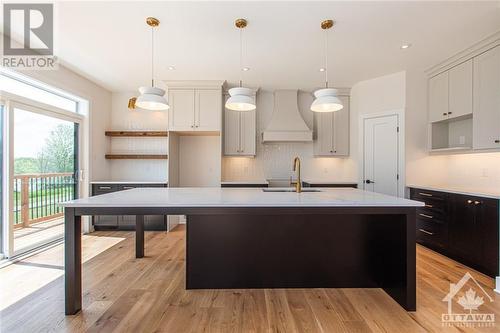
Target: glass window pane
x: 26, y: 90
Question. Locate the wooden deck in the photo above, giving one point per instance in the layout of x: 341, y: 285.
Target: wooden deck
x: 38, y: 233
x: 124, y: 294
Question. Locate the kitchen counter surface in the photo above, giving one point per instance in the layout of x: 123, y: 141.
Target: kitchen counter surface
x: 493, y: 193
x: 240, y: 197
x: 125, y: 182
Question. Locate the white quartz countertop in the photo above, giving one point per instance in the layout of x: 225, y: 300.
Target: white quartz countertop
x: 486, y: 193
x: 240, y: 197
x: 125, y: 182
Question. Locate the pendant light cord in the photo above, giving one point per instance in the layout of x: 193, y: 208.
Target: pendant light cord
x: 152, y: 57
x: 241, y: 56
x: 326, y: 58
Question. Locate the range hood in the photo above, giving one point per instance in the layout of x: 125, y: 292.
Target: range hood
x: 286, y: 123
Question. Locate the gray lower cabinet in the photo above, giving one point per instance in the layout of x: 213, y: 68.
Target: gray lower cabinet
x: 125, y: 222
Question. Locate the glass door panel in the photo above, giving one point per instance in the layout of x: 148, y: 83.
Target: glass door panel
x: 45, y: 163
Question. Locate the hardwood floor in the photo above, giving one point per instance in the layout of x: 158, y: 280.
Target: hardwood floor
x: 124, y: 294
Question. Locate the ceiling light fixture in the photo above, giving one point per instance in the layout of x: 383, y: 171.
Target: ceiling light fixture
x: 326, y: 98
x: 241, y: 98
x: 171, y: 68
x: 405, y: 46
x: 321, y: 69
x: 151, y: 98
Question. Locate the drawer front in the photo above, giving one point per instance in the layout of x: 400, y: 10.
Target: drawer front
x: 123, y: 187
x: 431, y: 233
x: 431, y: 215
x: 425, y: 195
x: 103, y: 188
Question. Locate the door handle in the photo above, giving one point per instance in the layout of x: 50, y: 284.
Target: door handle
x: 368, y: 181
x: 497, y: 141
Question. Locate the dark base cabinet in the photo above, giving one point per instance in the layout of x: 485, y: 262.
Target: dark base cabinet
x: 462, y: 227
x: 126, y: 222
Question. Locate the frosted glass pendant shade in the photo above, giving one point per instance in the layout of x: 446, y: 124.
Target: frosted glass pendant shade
x: 326, y: 101
x: 151, y: 98
x: 240, y: 99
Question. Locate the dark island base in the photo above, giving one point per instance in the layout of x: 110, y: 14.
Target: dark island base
x: 340, y: 250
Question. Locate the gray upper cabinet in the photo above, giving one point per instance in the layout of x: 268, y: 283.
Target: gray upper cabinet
x: 239, y: 132
x: 195, y: 109
x: 460, y: 90
x: 332, y: 131
x: 438, y: 97
x: 487, y: 100
x: 450, y: 93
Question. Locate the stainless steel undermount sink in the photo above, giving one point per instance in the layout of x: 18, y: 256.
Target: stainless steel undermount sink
x: 290, y: 190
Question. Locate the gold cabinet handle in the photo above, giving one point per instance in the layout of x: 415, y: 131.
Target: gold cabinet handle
x: 425, y: 194
x: 428, y: 206
x: 426, y: 232
x: 425, y: 215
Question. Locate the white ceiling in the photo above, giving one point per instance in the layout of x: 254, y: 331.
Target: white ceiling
x: 109, y: 42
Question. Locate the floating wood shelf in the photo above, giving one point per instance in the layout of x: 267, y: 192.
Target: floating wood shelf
x: 137, y: 133
x: 136, y: 157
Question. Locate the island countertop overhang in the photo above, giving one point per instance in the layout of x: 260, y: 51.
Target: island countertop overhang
x: 240, y: 197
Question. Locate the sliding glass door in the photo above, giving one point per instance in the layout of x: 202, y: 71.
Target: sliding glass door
x: 1, y: 178
x: 45, y: 164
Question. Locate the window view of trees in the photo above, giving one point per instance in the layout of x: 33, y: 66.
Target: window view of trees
x: 57, y: 154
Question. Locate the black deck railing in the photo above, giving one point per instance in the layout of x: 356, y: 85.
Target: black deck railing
x: 37, y: 196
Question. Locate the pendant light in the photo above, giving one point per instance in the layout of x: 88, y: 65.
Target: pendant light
x: 326, y: 98
x: 151, y: 98
x: 240, y: 98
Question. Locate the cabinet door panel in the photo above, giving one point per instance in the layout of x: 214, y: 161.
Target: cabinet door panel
x: 460, y: 90
x: 463, y: 229
x: 208, y: 110
x: 247, y: 135
x: 438, y: 97
x: 323, y: 146
x: 487, y: 100
x: 341, y: 129
x: 487, y: 219
x: 181, y: 112
x: 231, y: 132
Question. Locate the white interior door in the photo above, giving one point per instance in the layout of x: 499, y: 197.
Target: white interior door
x: 381, y: 155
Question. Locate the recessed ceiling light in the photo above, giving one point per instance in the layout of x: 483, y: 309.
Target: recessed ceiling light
x: 321, y: 69
x: 405, y: 46
x: 171, y: 68
x: 245, y: 69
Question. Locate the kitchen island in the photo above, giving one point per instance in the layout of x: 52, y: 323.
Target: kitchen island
x: 248, y: 238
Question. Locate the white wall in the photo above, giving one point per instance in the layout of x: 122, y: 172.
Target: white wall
x: 124, y: 119
x: 274, y: 160
x: 99, y: 111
